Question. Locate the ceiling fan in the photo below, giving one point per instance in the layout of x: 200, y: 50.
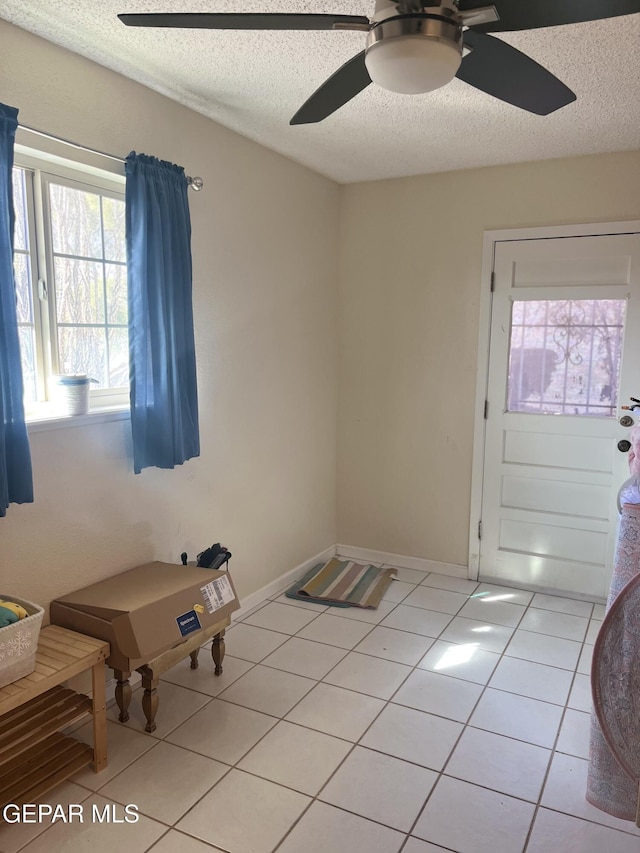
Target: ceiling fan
x: 421, y: 45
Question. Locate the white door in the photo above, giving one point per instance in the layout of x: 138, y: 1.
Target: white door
x: 564, y: 357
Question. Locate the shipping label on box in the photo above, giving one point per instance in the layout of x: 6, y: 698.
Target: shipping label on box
x: 136, y: 611
x: 217, y: 593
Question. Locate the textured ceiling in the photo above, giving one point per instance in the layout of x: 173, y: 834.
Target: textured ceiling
x: 253, y: 82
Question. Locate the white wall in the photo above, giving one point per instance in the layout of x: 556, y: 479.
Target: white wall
x: 265, y: 244
x: 411, y: 253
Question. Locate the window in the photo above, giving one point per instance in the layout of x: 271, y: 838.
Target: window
x: 24, y: 285
x: 71, y: 276
x: 565, y: 356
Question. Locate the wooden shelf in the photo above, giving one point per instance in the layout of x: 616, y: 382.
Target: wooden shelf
x: 42, y: 767
x: 34, y: 756
x: 39, y: 718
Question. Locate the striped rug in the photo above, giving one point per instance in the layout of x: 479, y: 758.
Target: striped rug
x: 343, y: 583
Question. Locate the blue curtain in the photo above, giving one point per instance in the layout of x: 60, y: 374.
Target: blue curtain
x: 16, y: 482
x: 164, y: 396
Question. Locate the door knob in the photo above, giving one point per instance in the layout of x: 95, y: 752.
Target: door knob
x: 624, y: 446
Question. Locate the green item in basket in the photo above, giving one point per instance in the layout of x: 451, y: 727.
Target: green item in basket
x: 7, y: 617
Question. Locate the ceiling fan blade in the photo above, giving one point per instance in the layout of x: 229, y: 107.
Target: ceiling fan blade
x: 500, y: 70
x: 517, y: 15
x: 241, y: 21
x: 347, y: 82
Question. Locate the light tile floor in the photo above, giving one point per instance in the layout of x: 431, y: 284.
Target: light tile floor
x: 453, y: 718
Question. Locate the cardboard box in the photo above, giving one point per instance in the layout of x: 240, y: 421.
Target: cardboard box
x: 147, y: 610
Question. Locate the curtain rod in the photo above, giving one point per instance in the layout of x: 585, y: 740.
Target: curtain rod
x: 196, y: 183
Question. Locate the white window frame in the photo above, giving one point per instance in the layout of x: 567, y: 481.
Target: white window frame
x: 42, y: 168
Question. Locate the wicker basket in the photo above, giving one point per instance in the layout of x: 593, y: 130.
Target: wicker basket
x: 19, y: 641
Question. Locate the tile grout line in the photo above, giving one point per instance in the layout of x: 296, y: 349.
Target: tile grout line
x: 389, y: 701
x: 411, y: 669
x: 465, y: 725
x: 364, y: 733
x: 354, y: 744
x: 552, y: 751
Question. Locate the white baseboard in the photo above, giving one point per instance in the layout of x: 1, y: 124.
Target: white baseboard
x: 281, y: 583
x: 352, y: 553
x: 249, y: 602
x: 402, y: 561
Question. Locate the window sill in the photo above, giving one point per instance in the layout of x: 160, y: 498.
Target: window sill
x: 40, y: 423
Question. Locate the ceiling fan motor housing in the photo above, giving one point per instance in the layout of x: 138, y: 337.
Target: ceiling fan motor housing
x: 415, y: 52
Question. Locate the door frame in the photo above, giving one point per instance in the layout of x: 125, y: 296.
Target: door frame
x: 491, y: 238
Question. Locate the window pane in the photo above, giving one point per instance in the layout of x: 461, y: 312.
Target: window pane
x: 534, y: 313
x: 116, y: 282
x: 75, y: 221
x: 28, y: 361
x: 82, y: 350
x: 517, y: 313
x: 118, y: 358
x: 79, y: 291
x: 113, y: 224
x: 20, y: 208
x: 24, y: 301
x: 565, y: 356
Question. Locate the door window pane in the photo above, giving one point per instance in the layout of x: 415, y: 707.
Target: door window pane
x: 565, y: 356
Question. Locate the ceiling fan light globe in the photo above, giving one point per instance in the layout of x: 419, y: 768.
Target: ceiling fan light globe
x: 413, y: 64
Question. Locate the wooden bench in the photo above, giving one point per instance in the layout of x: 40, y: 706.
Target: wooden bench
x: 153, y: 669
x: 152, y: 616
x: 34, y: 755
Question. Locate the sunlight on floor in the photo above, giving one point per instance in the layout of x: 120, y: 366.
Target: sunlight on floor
x: 457, y: 655
x: 486, y: 596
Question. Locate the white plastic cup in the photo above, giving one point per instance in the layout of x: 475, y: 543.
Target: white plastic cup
x: 72, y: 393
